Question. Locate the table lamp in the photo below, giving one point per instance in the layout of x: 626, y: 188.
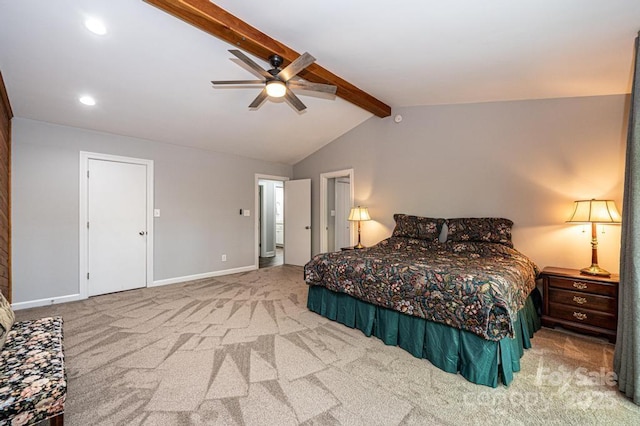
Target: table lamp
x: 595, y: 211
x: 358, y: 214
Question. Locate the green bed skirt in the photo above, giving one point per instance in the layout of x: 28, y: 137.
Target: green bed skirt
x: 450, y: 349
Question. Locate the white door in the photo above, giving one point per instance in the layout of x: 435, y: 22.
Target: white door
x: 117, y: 226
x: 297, y: 222
x: 342, y: 224
x: 267, y: 219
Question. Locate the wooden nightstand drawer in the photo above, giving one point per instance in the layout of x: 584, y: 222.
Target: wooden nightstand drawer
x: 577, y: 284
x: 582, y: 316
x: 583, y: 300
x: 584, y: 303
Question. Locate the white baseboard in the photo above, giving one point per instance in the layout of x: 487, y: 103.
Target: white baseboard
x: 45, y: 302
x: 74, y: 297
x: 203, y: 275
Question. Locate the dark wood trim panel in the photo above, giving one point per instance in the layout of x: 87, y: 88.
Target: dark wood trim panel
x: 4, y: 100
x: 6, y: 114
x: 216, y: 21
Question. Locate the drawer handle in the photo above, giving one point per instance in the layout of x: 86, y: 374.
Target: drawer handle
x: 579, y: 285
x: 580, y: 300
x: 580, y: 316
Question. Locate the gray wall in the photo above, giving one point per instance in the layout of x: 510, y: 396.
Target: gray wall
x: 199, y: 193
x: 524, y: 160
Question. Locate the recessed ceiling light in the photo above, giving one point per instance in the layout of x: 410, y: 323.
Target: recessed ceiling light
x: 87, y: 100
x: 95, y: 26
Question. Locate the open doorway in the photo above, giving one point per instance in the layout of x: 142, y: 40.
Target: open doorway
x: 296, y: 220
x: 270, y: 222
x: 336, y: 200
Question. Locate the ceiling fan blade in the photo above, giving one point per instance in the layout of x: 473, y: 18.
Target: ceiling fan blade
x: 238, y: 82
x: 259, y: 99
x: 244, y: 58
x: 316, y: 87
x: 294, y: 100
x: 300, y: 63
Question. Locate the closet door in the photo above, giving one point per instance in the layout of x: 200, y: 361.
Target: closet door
x: 117, y: 226
x: 342, y: 208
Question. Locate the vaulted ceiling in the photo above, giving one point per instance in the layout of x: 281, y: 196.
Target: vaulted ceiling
x: 151, y: 72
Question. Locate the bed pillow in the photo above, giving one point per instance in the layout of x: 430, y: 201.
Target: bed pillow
x: 421, y: 228
x: 480, y: 229
x: 7, y: 317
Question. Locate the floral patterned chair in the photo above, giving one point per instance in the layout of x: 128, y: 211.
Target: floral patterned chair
x: 33, y: 384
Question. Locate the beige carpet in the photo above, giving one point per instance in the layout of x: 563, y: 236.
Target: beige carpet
x: 244, y: 350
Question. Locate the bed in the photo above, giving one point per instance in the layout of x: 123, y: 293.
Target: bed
x: 465, y: 304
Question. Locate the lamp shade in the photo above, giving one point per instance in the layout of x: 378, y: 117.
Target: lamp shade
x: 595, y: 211
x: 359, y: 213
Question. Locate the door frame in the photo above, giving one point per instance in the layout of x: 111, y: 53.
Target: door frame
x: 256, y: 220
x: 324, y: 178
x: 84, y: 213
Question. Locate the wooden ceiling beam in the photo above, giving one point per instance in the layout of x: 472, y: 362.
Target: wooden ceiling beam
x: 218, y: 22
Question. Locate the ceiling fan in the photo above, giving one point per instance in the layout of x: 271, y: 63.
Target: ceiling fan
x: 279, y: 82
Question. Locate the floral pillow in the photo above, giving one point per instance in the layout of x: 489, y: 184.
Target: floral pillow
x: 480, y: 229
x: 421, y: 228
x: 7, y: 317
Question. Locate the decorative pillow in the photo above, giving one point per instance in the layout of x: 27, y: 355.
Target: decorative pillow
x: 422, y: 228
x: 7, y: 317
x: 480, y: 229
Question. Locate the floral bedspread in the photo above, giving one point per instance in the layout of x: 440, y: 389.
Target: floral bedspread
x: 474, y: 286
x: 33, y: 384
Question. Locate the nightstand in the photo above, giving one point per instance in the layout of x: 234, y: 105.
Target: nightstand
x: 347, y: 248
x: 578, y: 302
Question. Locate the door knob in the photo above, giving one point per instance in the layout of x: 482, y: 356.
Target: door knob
x: 307, y: 227
x: 141, y: 232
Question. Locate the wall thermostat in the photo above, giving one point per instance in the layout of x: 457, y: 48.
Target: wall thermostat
x: 397, y: 118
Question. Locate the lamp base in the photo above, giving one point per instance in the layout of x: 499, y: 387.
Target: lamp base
x: 358, y: 246
x: 595, y: 270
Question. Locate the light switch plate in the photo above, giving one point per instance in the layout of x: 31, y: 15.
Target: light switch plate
x: 247, y: 213
x: 156, y: 212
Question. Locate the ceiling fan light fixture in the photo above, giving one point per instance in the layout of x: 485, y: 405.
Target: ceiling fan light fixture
x: 276, y: 88
x: 277, y: 82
